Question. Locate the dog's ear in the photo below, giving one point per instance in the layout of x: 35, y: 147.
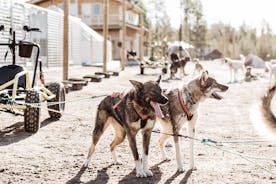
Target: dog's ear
x: 159, y: 79
x: 204, y: 77
x: 138, y: 85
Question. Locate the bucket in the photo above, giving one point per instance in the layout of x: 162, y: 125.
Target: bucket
x: 25, y: 49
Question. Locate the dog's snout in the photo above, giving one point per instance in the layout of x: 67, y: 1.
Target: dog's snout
x: 165, y: 100
x: 224, y: 88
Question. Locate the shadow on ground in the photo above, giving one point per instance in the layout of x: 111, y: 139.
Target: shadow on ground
x: 131, y: 177
x: 16, y: 132
x: 102, y: 176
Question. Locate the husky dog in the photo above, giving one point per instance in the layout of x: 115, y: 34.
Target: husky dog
x: 249, y: 76
x: 128, y: 114
x: 182, y: 108
x: 198, y: 66
x: 234, y: 67
x: 176, y: 63
x: 271, y: 66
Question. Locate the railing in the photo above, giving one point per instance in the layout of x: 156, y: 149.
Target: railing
x: 97, y: 20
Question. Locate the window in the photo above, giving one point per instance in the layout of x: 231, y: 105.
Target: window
x: 97, y: 8
x: 86, y: 9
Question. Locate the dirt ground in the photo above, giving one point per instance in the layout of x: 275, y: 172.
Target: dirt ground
x: 56, y: 153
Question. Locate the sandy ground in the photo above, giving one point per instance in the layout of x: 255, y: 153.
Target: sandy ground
x: 56, y: 153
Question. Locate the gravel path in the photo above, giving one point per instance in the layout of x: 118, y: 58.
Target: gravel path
x: 56, y: 153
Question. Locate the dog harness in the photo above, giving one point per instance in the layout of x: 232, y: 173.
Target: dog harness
x: 115, y: 95
x: 184, y: 106
x: 115, y: 103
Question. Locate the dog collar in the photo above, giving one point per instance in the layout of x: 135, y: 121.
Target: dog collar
x: 189, y: 97
x: 183, y: 106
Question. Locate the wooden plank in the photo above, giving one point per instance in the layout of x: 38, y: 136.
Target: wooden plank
x: 94, y: 78
x: 80, y: 80
x: 113, y: 73
x: 73, y: 85
x: 106, y: 74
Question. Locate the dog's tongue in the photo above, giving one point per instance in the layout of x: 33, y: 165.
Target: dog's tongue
x: 157, y: 109
x: 216, y: 95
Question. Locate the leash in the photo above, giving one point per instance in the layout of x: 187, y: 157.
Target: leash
x: 214, y: 144
x: 178, y: 135
x: 12, y: 102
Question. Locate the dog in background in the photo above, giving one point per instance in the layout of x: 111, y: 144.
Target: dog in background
x: 248, y: 75
x: 234, y: 67
x: 178, y: 63
x: 128, y: 114
x: 183, y: 108
x: 271, y: 67
x: 198, y: 67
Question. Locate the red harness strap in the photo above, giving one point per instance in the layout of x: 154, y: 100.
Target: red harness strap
x: 117, y: 94
x: 184, y: 108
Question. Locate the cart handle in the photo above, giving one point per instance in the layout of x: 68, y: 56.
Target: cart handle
x: 29, y: 29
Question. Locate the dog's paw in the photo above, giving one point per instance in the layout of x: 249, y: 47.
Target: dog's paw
x: 168, y: 144
x: 118, y: 163
x: 166, y: 159
x: 180, y: 169
x: 192, y: 168
x: 87, y: 162
x: 141, y: 174
x: 148, y: 172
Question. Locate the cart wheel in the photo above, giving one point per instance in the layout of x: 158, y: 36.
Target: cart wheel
x: 142, y: 69
x: 59, y: 90
x: 31, y: 114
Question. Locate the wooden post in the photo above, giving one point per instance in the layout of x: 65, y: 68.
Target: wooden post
x: 65, y: 40
x: 105, y: 33
x: 141, y: 37
x: 123, y: 48
x: 150, y: 40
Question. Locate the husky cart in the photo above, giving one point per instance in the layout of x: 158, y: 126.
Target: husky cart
x: 23, y: 94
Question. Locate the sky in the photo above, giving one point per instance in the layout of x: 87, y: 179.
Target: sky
x: 233, y: 12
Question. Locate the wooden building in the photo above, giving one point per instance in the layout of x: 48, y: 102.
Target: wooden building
x: 91, y: 13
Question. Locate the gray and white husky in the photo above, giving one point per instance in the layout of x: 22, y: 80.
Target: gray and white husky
x: 183, y: 108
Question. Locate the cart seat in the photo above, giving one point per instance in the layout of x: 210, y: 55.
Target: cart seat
x: 7, y: 73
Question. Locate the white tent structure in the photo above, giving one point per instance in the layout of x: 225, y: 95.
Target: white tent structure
x: 254, y: 61
x: 93, y: 44
x: 184, y: 45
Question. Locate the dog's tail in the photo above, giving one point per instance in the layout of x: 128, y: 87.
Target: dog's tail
x: 242, y: 58
x: 263, y: 119
x: 268, y: 116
